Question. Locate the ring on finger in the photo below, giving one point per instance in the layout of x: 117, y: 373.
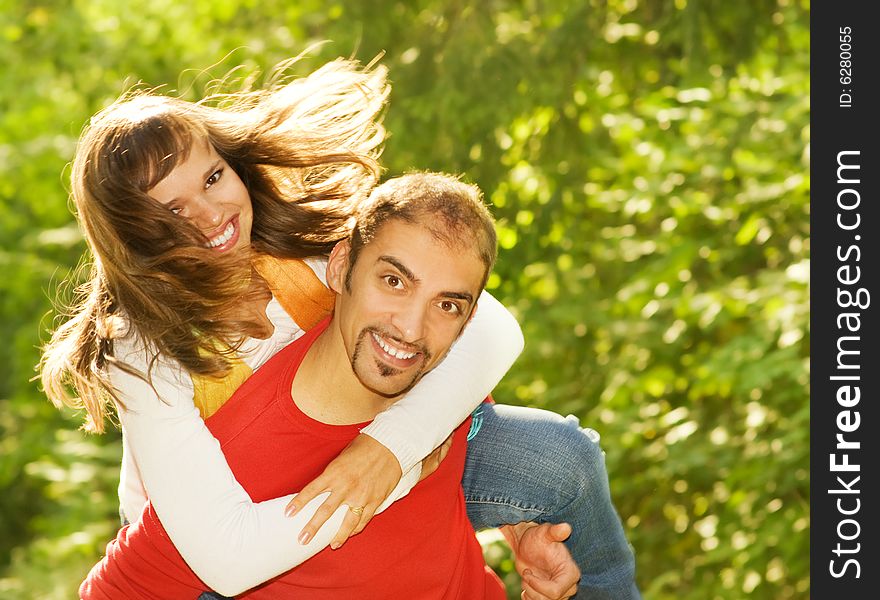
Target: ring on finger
x: 358, y: 510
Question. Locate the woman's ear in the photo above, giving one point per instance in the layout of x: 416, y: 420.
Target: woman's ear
x: 337, y: 266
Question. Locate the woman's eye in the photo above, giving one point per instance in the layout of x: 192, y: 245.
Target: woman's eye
x: 176, y: 210
x: 214, y: 178
x: 394, y: 281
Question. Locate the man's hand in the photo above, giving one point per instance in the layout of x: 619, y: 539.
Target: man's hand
x: 546, y: 567
x: 362, y: 476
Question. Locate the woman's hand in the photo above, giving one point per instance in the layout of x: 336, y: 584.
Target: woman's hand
x: 362, y: 476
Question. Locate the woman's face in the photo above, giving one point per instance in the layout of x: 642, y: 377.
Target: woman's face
x: 208, y: 192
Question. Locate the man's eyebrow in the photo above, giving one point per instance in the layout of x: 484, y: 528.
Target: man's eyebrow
x: 400, y: 267
x: 458, y: 296
x: 414, y: 279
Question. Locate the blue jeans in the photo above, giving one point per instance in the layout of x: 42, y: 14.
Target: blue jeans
x: 527, y: 464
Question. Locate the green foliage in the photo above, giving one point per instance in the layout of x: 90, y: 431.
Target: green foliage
x: 648, y: 165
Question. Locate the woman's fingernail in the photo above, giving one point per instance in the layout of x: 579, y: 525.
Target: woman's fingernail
x: 334, y: 545
x: 291, y: 510
x: 304, y: 538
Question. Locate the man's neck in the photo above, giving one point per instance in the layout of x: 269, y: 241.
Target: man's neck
x: 326, y: 389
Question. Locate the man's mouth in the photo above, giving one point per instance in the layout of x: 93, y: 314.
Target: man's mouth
x: 393, y: 353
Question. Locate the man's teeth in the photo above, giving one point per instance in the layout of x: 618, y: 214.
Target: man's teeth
x: 223, y: 237
x: 392, y: 350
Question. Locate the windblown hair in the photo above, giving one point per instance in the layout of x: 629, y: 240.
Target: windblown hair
x: 306, y: 149
x: 452, y: 210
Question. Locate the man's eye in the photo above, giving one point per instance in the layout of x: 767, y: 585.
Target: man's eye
x: 214, y: 178
x: 450, y: 307
x: 176, y: 210
x: 394, y: 281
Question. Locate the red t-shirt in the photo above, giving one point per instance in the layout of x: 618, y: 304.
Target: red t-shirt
x: 421, y: 547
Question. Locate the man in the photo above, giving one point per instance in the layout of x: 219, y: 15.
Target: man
x: 406, y: 283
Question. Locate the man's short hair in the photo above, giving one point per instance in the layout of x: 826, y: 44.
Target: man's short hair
x: 453, y: 211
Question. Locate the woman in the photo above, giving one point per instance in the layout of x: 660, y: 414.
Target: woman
x: 194, y: 285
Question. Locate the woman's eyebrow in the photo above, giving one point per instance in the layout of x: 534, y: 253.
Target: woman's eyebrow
x: 214, y: 166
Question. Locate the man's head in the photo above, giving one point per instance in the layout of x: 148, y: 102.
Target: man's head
x: 409, y: 277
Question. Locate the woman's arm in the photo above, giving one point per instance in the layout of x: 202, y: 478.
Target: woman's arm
x: 234, y: 544
x: 230, y: 542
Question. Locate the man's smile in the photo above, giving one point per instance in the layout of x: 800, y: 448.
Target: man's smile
x: 393, y: 352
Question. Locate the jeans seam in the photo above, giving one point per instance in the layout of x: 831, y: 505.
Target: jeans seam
x: 506, y: 503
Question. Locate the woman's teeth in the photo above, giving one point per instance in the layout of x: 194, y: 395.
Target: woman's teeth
x: 392, y: 350
x: 223, y: 237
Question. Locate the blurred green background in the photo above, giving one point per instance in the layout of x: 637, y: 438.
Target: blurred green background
x: 648, y: 164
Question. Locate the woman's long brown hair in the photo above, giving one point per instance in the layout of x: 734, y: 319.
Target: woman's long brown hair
x: 305, y: 148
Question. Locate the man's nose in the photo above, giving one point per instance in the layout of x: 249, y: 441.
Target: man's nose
x: 410, y: 321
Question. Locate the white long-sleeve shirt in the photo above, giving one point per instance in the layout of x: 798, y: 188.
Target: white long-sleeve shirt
x: 230, y: 542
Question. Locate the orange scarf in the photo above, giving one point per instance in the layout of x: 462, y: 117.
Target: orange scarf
x: 302, y: 295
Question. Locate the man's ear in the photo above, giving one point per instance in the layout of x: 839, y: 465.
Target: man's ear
x: 337, y: 266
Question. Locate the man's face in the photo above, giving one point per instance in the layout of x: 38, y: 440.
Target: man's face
x: 410, y: 297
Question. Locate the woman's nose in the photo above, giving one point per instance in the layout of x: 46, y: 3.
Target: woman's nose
x: 207, y: 215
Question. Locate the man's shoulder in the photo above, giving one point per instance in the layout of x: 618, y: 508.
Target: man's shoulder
x: 264, y: 386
